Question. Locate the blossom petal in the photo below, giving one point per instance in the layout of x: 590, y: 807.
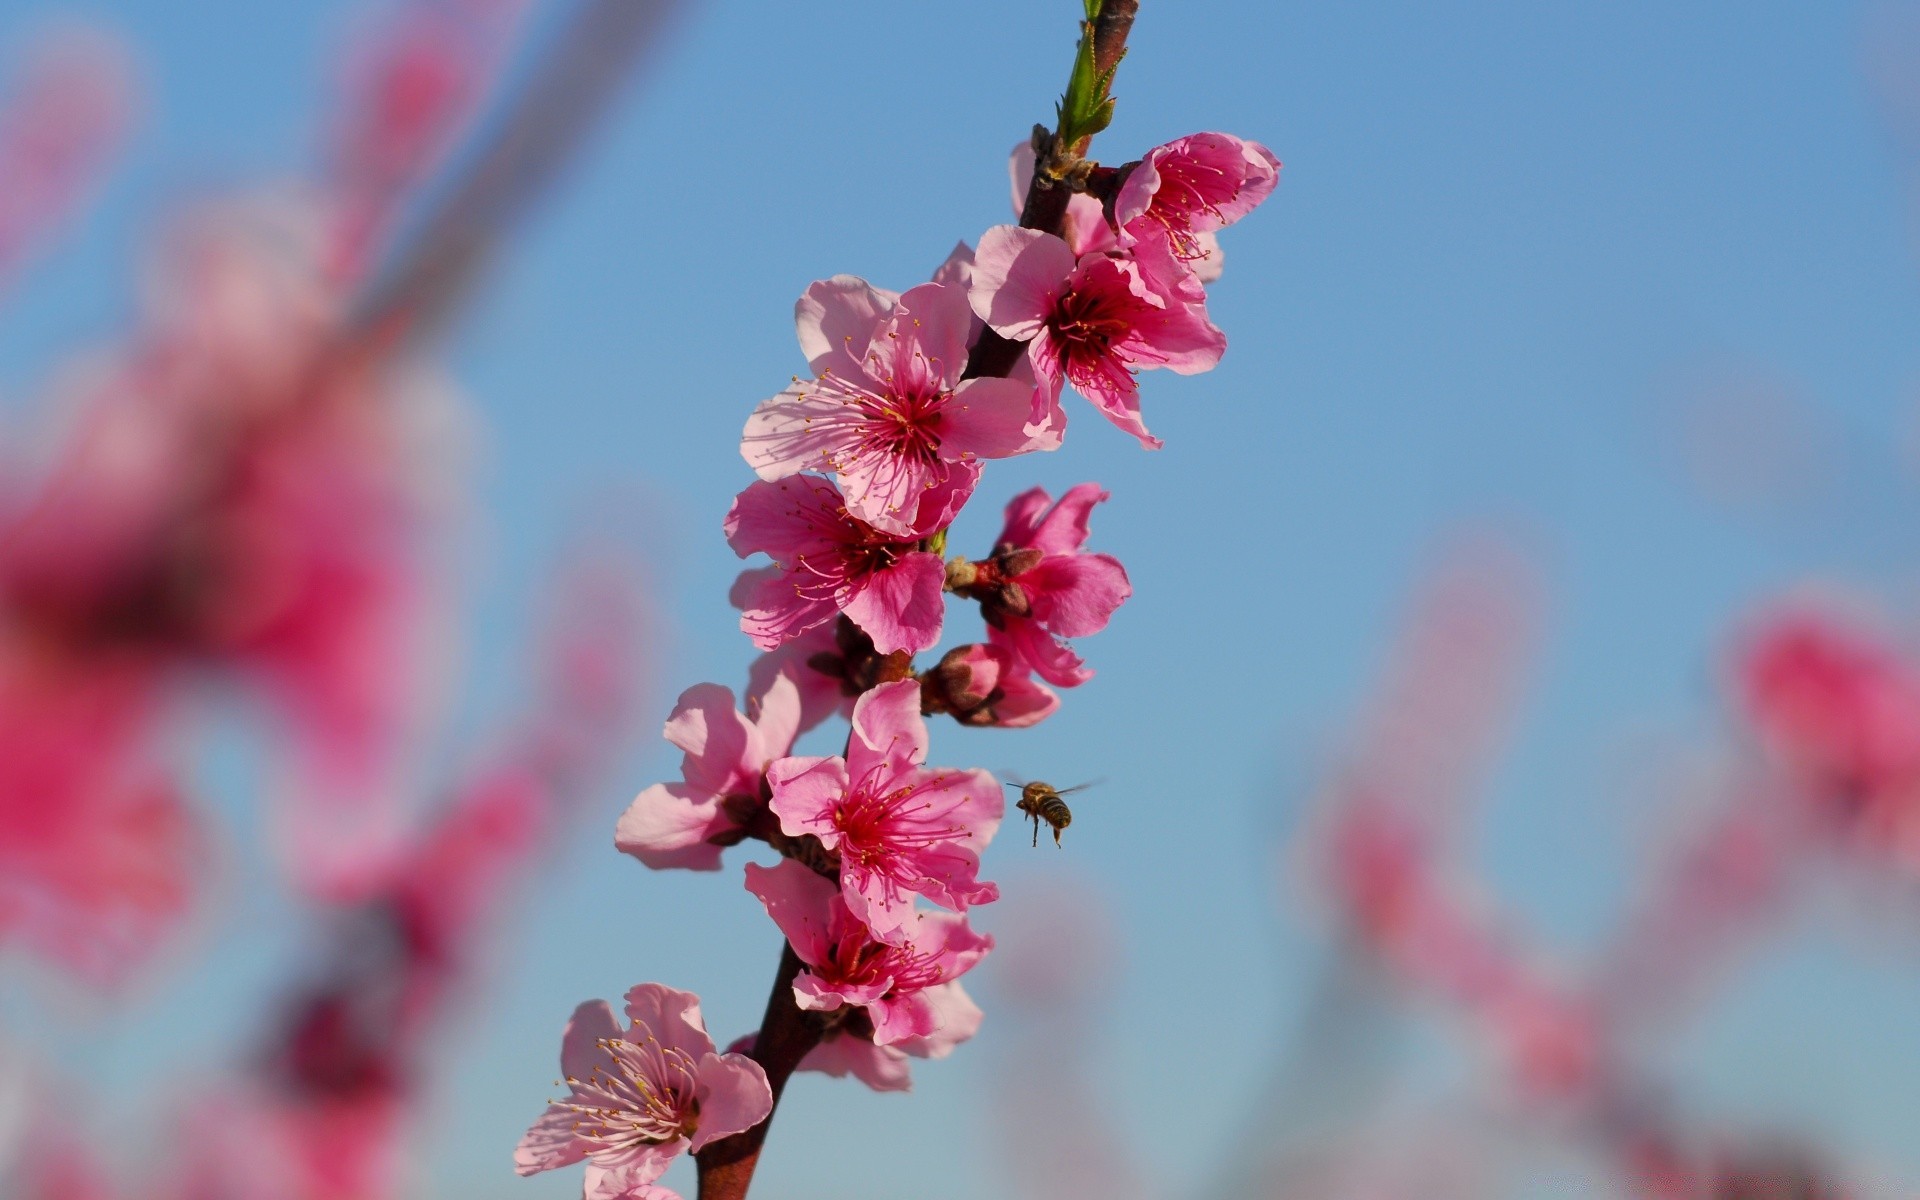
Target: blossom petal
x: 901, y: 606
x: 805, y: 791
x: 1018, y: 274
x: 888, y: 726
x: 988, y: 418
x: 1075, y: 594
x: 798, y: 899
x: 549, y: 1143
x: 716, y: 738
x: 734, y: 1097
x: 882, y: 1068
x: 836, y: 319
x: 667, y: 827
x: 671, y: 1016
x: 580, y: 1052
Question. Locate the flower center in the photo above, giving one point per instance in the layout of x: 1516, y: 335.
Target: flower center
x: 641, y: 1093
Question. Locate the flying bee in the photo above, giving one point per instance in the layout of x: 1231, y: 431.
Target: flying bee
x: 1042, y: 802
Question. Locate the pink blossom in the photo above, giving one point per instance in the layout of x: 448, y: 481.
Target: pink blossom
x: 1040, y: 586
x: 888, y: 411
x: 987, y: 685
x: 723, y: 775
x: 906, y: 988
x: 641, y: 1097
x: 1832, y: 702
x: 899, y: 829
x: 825, y: 562
x: 1180, y: 193
x: 1091, y: 321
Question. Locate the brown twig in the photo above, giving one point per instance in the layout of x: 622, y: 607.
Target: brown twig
x: 787, y: 1035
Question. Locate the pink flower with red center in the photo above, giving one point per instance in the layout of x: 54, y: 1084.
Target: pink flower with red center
x: 905, y: 987
x: 641, y: 1097
x: 1092, y: 321
x: 723, y: 775
x: 826, y: 562
x: 1180, y: 193
x: 1040, y: 586
x: 887, y: 410
x: 900, y: 830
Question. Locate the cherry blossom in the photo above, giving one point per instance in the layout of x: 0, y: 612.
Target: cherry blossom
x: 825, y: 562
x: 640, y: 1097
x: 887, y: 411
x: 1091, y: 321
x: 906, y: 989
x: 984, y: 684
x: 1040, y: 586
x: 723, y: 776
x: 1184, y: 191
x: 900, y: 829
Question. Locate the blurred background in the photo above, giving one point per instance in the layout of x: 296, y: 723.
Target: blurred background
x: 1574, y: 347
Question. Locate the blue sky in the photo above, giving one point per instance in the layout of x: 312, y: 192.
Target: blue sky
x: 1506, y: 238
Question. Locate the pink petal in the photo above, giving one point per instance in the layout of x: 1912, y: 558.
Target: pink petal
x: 734, y: 1097
x: 667, y: 827
x: 836, y: 319
x: 778, y: 720
x: 882, y: 1068
x: 781, y: 519
x: 805, y: 791
x: 1018, y: 275
x: 956, y: 1019
x: 549, y: 1143
x: 901, y: 607
x: 770, y: 611
x: 580, y: 1052
x: 714, y: 735
x: 1065, y: 529
x: 939, y: 318
x: 820, y: 694
x: 1050, y: 659
x: 988, y: 418
x: 957, y: 270
x: 800, y: 902
x: 800, y: 429
x: 671, y: 1016
x: 1075, y: 594
x: 623, y: 1183
x: 888, y: 728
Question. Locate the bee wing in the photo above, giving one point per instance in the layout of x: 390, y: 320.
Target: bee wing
x: 1080, y: 787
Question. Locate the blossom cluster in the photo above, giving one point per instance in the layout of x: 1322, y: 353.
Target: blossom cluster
x: 863, y: 465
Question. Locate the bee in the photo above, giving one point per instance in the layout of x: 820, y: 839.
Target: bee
x: 1042, y: 802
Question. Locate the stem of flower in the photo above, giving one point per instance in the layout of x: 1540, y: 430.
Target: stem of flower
x: 787, y: 1035
x: 1046, y: 204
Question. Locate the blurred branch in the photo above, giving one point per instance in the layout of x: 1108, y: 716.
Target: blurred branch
x: 529, y: 147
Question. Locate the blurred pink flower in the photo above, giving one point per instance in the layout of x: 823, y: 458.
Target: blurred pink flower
x: 640, y: 1097
x: 827, y: 563
x: 887, y: 411
x: 900, y: 830
x: 907, y: 989
x: 723, y: 776
x: 1090, y: 321
x: 100, y: 858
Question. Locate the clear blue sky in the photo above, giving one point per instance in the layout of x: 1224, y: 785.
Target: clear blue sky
x: 1503, y: 232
